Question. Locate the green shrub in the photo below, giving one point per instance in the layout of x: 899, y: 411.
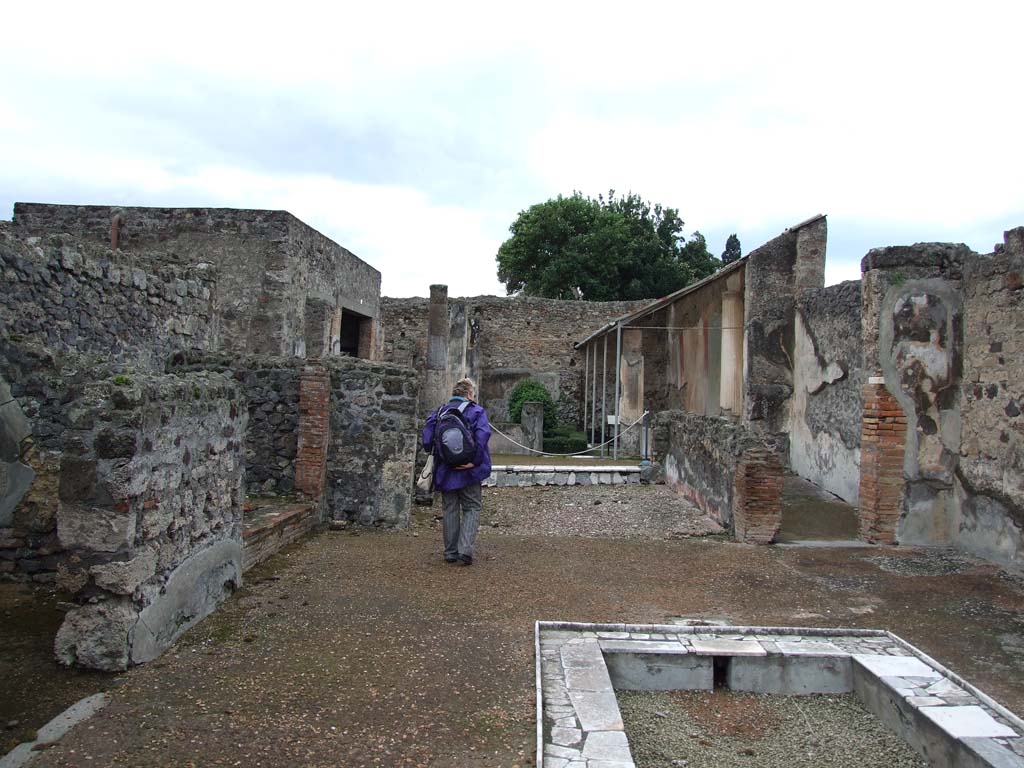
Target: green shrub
x: 565, y: 439
x: 531, y: 390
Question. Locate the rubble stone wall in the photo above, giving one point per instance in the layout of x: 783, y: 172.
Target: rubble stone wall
x: 72, y: 312
x: 499, y: 341
x: 150, y: 515
x: 990, y: 512
x: 828, y: 376
x: 374, y: 433
x: 269, y: 261
x: 725, y: 468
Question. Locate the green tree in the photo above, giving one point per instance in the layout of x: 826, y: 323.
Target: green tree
x: 732, y: 250
x: 612, y: 248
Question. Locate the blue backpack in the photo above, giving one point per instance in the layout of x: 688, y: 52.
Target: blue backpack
x: 454, y: 443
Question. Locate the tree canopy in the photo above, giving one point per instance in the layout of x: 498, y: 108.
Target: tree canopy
x: 732, y: 250
x: 614, y: 248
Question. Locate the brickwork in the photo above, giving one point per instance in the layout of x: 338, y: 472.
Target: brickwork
x: 270, y: 530
x: 314, y: 431
x: 757, y: 500
x: 883, y: 439
x: 724, y: 468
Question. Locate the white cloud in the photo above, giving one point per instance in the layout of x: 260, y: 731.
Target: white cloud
x: 413, y: 134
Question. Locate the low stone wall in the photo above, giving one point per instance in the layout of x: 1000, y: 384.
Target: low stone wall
x: 725, y: 469
x: 267, y: 531
x: 374, y: 432
x: 150, y: 513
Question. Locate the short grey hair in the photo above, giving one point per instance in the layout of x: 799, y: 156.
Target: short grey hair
x: 464, y: 388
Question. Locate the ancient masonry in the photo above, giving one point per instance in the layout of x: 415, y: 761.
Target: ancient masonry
x: 156, y: 365
x: 182, y: 391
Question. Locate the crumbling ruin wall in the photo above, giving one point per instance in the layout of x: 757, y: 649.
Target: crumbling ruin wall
x: 776, y: 273
x: 150, y: 513
x: 500, y: 341
x: 913, y: 345
x: 71, y: 312
x: 828, y: 379
x: 990, y: 477
x: 725, y: 468
x: 270, y: 264
x: 371, y: 450
x: 937, y: 321
x: 271, y: 389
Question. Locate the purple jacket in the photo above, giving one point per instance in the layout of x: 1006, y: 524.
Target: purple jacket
x: 447, y: 478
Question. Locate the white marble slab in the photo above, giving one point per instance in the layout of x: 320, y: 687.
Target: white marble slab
x: 967, y: 722
x: 896, y: 666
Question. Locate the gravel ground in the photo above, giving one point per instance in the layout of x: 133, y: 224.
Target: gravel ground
x: 614, y: 511
x: 366, y: 649
x: 725, y: 729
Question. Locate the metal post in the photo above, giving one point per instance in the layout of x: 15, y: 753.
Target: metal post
x: 604, y: 394
x: 586, y: 387
x: 618, y: 383
x: 593, y: 399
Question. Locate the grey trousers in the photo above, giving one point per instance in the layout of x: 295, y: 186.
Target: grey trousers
x: 460, y: 528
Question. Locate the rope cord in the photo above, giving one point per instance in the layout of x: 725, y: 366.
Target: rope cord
x: 578, y: 453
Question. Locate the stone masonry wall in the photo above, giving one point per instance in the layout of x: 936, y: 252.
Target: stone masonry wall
x: 499, y: 341
x: 828, y: 376
x: 71, y: 312
x: 374, y: 433
x: 776, y: 273
x: 150, y: 513
x: 725, y: 468
x: 270, y: 263
x: 990, y: 513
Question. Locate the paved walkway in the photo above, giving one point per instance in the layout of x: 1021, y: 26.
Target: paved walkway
x: 368, y: 650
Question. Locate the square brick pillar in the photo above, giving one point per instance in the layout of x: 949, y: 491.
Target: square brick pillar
x: 882, y: 442
x: 314, y: 431
x: 757, y: 497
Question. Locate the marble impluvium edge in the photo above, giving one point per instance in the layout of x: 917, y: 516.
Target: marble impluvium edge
x: 857, y: 644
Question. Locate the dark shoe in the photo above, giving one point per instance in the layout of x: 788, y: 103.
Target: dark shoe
x: 451, y: 559
x: 465, y: 559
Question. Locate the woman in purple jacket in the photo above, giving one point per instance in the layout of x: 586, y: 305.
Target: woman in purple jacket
x: 460, y: 488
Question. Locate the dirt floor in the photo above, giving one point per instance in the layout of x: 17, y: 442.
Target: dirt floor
x: 364, y: 649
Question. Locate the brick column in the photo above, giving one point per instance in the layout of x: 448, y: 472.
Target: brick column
x: 757, y: 497
x: 882, y: 441
x: 314, y: 431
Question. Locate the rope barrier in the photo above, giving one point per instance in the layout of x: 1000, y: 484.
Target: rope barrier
x: 578, y: 453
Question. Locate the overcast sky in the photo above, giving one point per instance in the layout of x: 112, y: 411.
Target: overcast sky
x: 413, y: 135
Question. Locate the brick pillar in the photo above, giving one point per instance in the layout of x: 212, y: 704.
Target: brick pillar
x: 314, y: 431
x: 882, y: 441
x: 757, y: 497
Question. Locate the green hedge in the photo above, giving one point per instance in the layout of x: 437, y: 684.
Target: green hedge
x: 565, y: 440
x: 531, y: 390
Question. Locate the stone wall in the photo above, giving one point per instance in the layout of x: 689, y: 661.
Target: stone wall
x: 70, y: 313
x: 726, y: 469
x: 374, y: 434
x: 990, y: 512
x: 500, y: 341
x: 828, y: 376
x: 150, y: 513
x: 776, y: 273
x: 939, y: 332
x: 271, y: 387
x: 271, y: 264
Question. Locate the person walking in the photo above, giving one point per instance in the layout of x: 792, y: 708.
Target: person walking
x: 457, y: 435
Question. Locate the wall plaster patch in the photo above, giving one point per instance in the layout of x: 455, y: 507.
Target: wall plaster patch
x: 580, y: 666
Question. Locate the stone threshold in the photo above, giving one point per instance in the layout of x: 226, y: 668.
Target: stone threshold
x: 268, y: 530
x: 579, y: 667
x: 519, y: 475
